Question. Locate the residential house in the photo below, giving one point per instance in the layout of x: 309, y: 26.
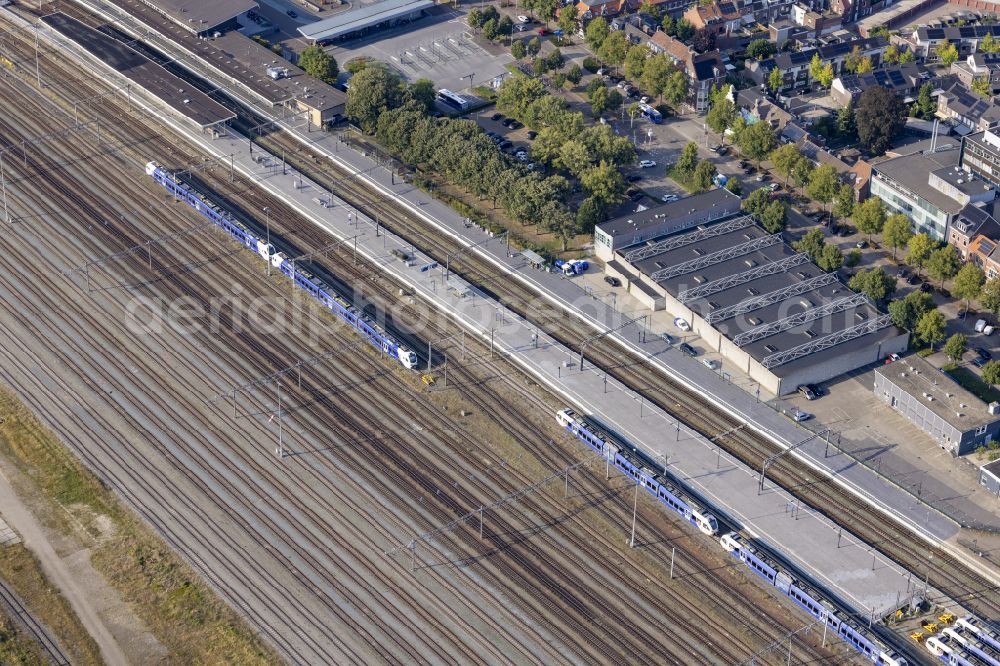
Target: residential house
x: 904, y: 80
x: 979, y: 66
x: 976, y: 113
x: 966, y: 38
x: 756, y: 106
x: 854, y: 10
x: 975, y: 220
x: 985, y: 252
x: 930, y: 188
x: 721, y: 18
x: 588, y: 9
x: 794, y: 66
x: 704, y: 71
x: 814, y: 22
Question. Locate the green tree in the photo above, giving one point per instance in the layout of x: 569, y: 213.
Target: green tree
x: 846, y: 124
x: 688, y: 160
x: 989, y: 295
x: 891, y: 55
x: 830, y: 259
x: 876, y: 284
x: 956, y: 346
x: 774, y: 217
x: 518, y: 49
x: 853, y: 60
x: 925, y: 105
x: 812, y: 243
x: 931, y: 327
x: 574, y: 74
x: 988, y: 44
x: 907, y: 311
x: 757, y: 141
x: 823, y: 184
x: 943, y: 263
x: 775, y: 80
x: 982, y: 87
x: 880, y: 116
x: 947, y: 52
x: 421, y: 91
x: 784, y: 158
x: 655, y: 72
x: 592, y: 211
x: 843, y: 202
x: 568, y: 19
x: 757, y: 202
x: 906, y: 57
x: 604, y: 181
x: 596, y: 32
x: 599, y: 100
x: 534, y: 46
x: 720, y: 116
x: 319, y: 64
x: 491, y: 30
x: 555, y: 59
x: 683, y: 29
x: 826, y: 75
x: 703, y: 175
x: 968, y: 282
x: 897, y: 232
x: 919, y: 249
x: 866, y: 65
x: 760, y: 49
x: 635, y: 61
x: 991, y: 373
x: 870, y: 216
x: 373, y: 90
x: 675, y: 92
x: 613, y: 48
x: 802, y: 172
x: 546, y: 9
x: 668, y: 25
x: 815, y: 67
x: 517, y: 93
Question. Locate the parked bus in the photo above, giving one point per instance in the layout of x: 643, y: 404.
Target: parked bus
x: 651, y: 114
x: 449, y: 98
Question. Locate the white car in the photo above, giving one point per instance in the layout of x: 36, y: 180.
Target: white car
x: 644, y: 100
x: 711, y: 363
x: 667, y: 198
x: 524, y: 19
x: 682, y: 324
x: 647, y: 164
x: 799, y: 415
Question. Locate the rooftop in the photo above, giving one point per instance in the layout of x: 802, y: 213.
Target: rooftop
x: 971, y: 106
x: 911, y: 172
x: 993, y: 468
x: 953, y: 33
x: 685, y: 206
x: 363, y: 17
x: 897, y: 77
x: 938, y: 392
x: 787, y: 60
x: 201, y: 15
x: 760, y: 293
x: 173, y: 91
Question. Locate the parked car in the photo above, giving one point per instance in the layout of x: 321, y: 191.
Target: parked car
x: 774, y: 187
x: 634, y: 195
x: 724, y: 150
x: 688, y: 349
x: 532, y: 134
x: 669, y: 339
x: 667, y: 198
x: 496, y: 117
x: 903, y: 273
x: 711, y: 363
x: 979, y: 361
x: 807, y: 391
x: 982, y: 352
x: 682, y: 324
x: 613, y: 281
x: 913, y: 279
x: 861, y: 244
x: 523, y: 19
x: 516, y: 125
x: 505, y: 144
x: 762, y: 177
x: 634, y: 178
x: 542, y: 32
x: 647, y: 164
x: 800, y: 416
x: 507, y: 122
x: 926, y: 287
x: 292, y: 13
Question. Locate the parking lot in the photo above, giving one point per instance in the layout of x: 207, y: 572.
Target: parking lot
x: 438, y: 47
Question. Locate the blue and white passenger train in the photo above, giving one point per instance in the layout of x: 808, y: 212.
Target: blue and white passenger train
x: 373, y: 332
x: 669, y: 492
x: 955, y: 645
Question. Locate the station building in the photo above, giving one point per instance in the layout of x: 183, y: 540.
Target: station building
x: 749, y: 296
x: 957, y: 420
x: 365, y: 20
x: 201, y: 17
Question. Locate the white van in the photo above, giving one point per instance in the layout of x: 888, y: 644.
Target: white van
x: 980, y: 325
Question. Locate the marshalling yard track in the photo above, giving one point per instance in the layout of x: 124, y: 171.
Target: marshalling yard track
x: 297, y: 545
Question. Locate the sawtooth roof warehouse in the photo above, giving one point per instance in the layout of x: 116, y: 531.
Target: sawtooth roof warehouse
x: 751, y: 297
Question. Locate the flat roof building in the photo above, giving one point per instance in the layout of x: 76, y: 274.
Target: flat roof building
x: 751, y: 297
x: 957, y: 420
x: 200, y: 16
x: 989, y: 477
x: 365, y: 19
x: 173, y: 91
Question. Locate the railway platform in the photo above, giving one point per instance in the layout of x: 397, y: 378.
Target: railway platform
x: 859, y: 575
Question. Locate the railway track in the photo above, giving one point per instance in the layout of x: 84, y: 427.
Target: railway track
x: 21, y: 615
x: 274, y: 352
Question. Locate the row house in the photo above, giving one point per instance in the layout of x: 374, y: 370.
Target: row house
x: 794, y: 66
x: 705, y: 71
x: 924, y: 41
x: 855, y: 10
x: 979, y: 66
x: 904, y: 80
x: 958, y: 103
x: 720, y: 18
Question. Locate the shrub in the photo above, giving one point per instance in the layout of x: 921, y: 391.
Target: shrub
x: 590, y: 64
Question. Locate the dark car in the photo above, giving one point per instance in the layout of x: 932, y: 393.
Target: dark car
x: 982, y: 352
x: 669, y: 339
x: 723, y: 150
x: 532, y: 134
x: 688, y: 349
x: 613, y: 281
x: 635, y: 195
x: 516, y: 125
x: 292, y: 13
x: 903, y: 273
x: 980, y: 361
x: 926, y: 287
x: 507, y: 122
x: 913, y: 279
x: 505, y: 144
x: 635, y: 177
x: 496, y: 116
x: 808, y: 392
